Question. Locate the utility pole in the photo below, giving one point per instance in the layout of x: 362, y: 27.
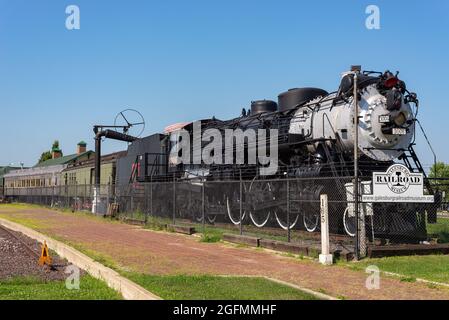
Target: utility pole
x: 360, y: 223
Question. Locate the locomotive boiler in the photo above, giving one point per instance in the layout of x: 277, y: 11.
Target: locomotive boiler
x: 315, y: 135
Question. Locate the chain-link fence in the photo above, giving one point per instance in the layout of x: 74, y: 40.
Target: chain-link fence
x: 282, y: 209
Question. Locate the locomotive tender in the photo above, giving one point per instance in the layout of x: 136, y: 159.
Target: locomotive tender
x: 316, y: 152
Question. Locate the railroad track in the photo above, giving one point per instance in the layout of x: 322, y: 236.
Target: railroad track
x: 9, y: 233
x: 30, y: 250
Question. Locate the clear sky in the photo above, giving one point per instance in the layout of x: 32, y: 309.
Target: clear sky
x: 184, y: 60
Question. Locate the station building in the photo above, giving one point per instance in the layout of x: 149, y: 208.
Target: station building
x: 47, y: 173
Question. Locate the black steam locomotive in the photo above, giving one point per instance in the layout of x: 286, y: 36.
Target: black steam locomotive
x: 314, y: 152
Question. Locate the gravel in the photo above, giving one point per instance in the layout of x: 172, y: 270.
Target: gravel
x: 17, y: 261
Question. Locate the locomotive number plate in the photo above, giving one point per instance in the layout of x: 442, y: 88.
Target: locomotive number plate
x: 399, y: 131
x: 384, y: 119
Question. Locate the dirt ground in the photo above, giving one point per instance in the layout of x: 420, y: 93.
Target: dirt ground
x: 17, y: 261
x: 134, y: 248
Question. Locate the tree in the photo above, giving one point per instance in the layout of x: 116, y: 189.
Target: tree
x: 440, y: 170
x: 47, y: 155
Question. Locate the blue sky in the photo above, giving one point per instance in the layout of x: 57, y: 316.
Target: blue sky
x: 184, y: 60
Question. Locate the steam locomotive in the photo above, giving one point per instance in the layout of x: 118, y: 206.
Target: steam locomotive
x: 315, y: 138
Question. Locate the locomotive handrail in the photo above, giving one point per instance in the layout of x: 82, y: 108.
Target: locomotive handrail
x: 429, y: 144
x: 328, y: 120
x: 394, y: 149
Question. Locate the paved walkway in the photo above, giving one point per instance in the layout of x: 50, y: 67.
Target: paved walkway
x: 136, y: 249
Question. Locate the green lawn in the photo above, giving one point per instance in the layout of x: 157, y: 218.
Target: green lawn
x: 432, y: 267
x: 217, y: 288
x: 35, y: 289
x: 439, y: 230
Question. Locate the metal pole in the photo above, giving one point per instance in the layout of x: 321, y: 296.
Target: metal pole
x: 241, y: 202
x: 77, y: 202
x: 356, y: 165
x: 132, y: 200
x: 145, y: 185
x: 174, y: 199
x: 203, y: 204
x: 288, y: 211
x: 151, y: 195
x: 97, y: 160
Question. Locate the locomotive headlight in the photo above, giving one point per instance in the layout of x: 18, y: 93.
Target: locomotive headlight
x: 400, y: 119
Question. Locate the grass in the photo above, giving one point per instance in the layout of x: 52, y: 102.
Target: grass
x: 211, y: 236
x: 183, y: 287
x: 27, y: 288
x: 29, y: 222
x: 157, y: 224
x: 439, y: 230
x: 431, y: 267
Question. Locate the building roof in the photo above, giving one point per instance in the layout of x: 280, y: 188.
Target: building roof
x: 107, y: 158
x: 35, y: 171
x: 4, y: 170
x: 62, y: 160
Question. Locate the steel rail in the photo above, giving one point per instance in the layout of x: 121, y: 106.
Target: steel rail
x: 28, y: 248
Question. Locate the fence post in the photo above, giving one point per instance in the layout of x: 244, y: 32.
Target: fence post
x: 325, y: 257
x: 77, y: 201
x: 67, y: 196
x: 203, y: 204
x: 174, y: 198
x: 132, y: 201
x: 356, y: 163
x: 85, y: 197
x: 145, y: 192
x: 241, y: 202
x: 361, y: 228
x: 151, y: 195
x: 288, y: 211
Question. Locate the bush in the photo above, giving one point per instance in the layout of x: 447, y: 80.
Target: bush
x: 210, y: 237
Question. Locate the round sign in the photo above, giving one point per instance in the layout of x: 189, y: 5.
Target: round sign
x: 398, y: 177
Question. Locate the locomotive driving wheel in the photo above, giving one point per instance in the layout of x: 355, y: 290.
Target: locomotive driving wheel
x: 197, y: 212
x: 281, y: 218
x: 349, y: 223
x: 233, y: 207
x: 284, y: 221
x: 213, y: 204
x: 261, y: 196
x: 311, y: 215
